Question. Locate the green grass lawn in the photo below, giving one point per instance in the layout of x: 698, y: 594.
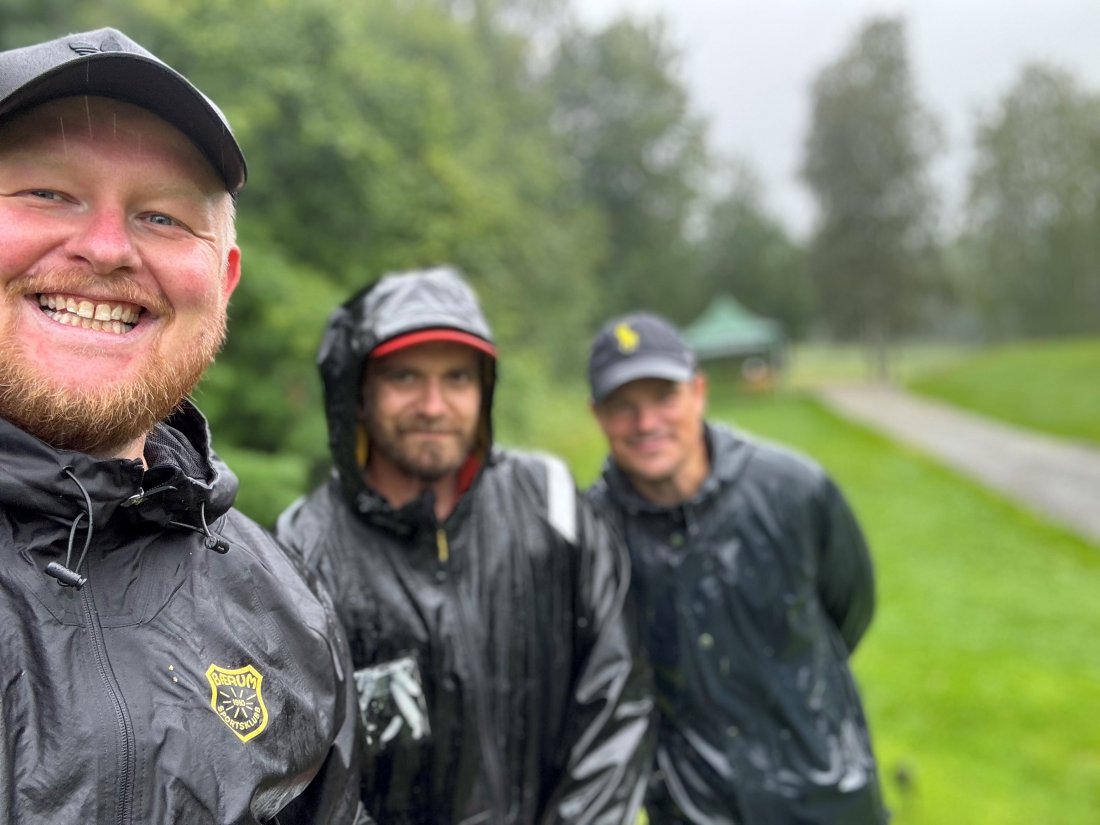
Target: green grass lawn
x: 981, y: 673
x: 1053, y: 386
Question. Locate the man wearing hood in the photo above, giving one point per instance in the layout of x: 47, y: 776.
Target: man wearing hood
x: 754, y: 585
x: 162, y: 659
x: 483, y: 603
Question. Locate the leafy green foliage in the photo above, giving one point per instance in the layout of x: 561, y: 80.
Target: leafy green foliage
x: 1035, y: 207
x: 27, y: 21
x: 379, y: 136
x: 636, y: 152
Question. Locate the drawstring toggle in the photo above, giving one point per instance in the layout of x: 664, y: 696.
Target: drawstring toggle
x: 65, y: 577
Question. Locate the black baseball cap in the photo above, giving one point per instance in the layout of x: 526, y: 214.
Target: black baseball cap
x: 107, y: 63
x: 640, y: 345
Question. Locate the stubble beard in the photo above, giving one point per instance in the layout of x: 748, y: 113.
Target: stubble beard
x: 428, y: 464
x: 104, y: 419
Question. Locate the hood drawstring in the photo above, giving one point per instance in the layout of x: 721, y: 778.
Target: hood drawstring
x: 212, y: 541
x: 65, y: 575
x: 70, y: 576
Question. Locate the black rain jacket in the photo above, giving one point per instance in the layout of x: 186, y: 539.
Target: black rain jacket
x: 493, y: 656
x: 753, y: 595
x: 196, y: 678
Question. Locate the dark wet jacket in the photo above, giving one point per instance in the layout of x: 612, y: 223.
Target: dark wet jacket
x: 180, y: 684
x: 495, y: 668
x: 753, y: 595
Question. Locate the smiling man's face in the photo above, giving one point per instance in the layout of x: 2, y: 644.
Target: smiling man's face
x: 117, y: 260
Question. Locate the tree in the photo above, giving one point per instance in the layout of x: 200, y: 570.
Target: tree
x: 1034, y: 207
x: 637, y: 153
x: 866, y: 163
x: 747, y: 253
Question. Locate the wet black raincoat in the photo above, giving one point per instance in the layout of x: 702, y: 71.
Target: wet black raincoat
x: 494, y: 662
x: 195, y: 679
x: 753, y: 595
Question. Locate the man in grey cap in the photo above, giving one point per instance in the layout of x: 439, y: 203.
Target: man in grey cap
x: 754, y: 585
x: 162, y: 659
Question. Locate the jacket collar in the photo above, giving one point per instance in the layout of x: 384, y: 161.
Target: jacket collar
x: 420, y: 512
x: 183, y: 474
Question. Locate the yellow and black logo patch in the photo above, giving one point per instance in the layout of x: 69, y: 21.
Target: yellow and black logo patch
x: 236, y: 696
x: 628, y: 339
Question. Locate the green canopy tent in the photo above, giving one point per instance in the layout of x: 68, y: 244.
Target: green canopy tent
x: 726, y: 332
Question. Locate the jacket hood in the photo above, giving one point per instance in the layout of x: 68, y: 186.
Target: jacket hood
x: 395, y: 305
x: 184, y: 476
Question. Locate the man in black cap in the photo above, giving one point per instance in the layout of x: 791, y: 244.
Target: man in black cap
x: 754, y: 586
x: 162, y: 659
x: 483, y: 602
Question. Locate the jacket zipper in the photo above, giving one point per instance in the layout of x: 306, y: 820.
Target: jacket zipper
x: 491, y: 763
x: 442, y: 548
x: 127, y: 748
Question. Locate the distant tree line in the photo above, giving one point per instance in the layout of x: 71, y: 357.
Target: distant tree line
x: 1025, y: 260
x: 566, y: 171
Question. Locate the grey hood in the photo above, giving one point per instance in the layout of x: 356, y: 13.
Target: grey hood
x: 395, y: 305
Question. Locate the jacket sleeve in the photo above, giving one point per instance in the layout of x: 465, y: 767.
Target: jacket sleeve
x: 846, y: 581
x: 609, y: 742
x: 332, y: 797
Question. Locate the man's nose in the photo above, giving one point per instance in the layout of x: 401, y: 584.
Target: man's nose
x: 104, y: 241
x: 433, y: 400
x: 647, y: 417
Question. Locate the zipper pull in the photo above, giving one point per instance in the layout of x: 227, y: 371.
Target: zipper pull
x: 442, y: 548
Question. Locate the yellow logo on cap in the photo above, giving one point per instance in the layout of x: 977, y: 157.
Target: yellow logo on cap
x: 236, y: 697
x: 628, y: 339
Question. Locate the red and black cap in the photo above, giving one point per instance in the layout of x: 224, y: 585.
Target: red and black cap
x: 431, y: 335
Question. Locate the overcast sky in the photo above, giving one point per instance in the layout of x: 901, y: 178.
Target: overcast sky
x: 749, y: 65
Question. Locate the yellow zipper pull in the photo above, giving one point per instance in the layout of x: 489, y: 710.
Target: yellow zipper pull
x: 441, y: 544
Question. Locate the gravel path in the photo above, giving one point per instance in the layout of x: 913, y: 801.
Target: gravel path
x: 1055, y: 477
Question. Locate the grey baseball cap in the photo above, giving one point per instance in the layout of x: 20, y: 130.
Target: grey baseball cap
x: 640, y: 345
x: 107, y: 63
